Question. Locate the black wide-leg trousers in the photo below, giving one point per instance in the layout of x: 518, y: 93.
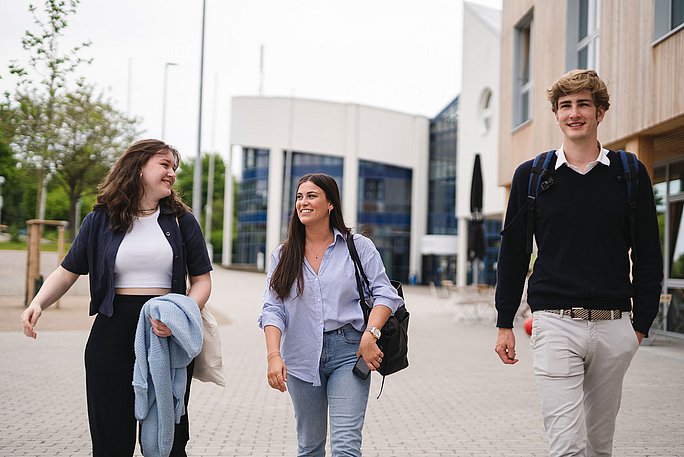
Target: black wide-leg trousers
x: 109, y: 360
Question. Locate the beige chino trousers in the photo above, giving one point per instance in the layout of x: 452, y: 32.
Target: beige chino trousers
x: 579, y: 367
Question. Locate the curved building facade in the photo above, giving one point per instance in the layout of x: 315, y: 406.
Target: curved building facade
x: 378, y: 157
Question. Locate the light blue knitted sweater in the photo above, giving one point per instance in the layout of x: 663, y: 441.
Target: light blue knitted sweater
x: 159, y: 374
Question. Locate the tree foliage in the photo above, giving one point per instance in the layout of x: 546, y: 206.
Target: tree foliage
x: 60, y: 129
x: 18, y: 196
x: 184, y: 188
x: 42, y: 86
x: 93, y: 135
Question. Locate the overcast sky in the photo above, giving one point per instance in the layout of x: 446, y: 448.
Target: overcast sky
x: 403, y: 55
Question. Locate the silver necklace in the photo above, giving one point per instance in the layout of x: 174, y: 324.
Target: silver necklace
x: 323, y: 248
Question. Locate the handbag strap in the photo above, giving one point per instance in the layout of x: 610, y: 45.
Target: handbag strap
x: 358, y: 269
x: 359, y: 273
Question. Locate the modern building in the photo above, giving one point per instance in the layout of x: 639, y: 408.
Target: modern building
x: 378, y: 158
x: 637, y: 47
x: 478, y: 135
x: 405, y: 180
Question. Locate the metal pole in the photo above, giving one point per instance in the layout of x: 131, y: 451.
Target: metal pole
x: 166, y: 71
x: 261, y: 70
x: 209, y: 207
x: 197, y: 175
x: 128, y: 86
x: 2, y: 181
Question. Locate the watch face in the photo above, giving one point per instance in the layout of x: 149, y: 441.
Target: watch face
x: 376, y: 332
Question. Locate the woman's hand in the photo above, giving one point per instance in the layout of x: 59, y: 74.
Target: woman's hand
x: 369, y: 350
x: 160, y: 329
x: 277, y: 373
x: 52, y: 290
x: 29, y: 318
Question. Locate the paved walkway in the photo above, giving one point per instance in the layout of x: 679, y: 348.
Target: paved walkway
x: 456, y: 398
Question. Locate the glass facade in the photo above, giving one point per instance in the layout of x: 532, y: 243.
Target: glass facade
x: 441, y: 213
x: 252, y: 202
x: 492, y: 228
x: 668, y: 189
x: 442, y: 172
x: 384, y: 213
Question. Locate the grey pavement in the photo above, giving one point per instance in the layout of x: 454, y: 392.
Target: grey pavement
x: 456, y: 398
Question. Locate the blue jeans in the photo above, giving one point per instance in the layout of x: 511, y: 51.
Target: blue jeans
x: 341, y: 392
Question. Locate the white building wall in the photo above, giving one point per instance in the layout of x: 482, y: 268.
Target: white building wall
x: 352, y: 131
x: 481, y: 57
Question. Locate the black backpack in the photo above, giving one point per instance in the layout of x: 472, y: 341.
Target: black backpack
x: 394, y: 340
x: 541, y: 179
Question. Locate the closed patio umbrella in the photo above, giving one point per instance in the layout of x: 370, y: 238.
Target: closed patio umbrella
x: 476, y: 239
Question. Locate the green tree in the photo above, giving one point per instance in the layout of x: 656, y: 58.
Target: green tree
x: 184, y: 188
x: 36, y: 135
x: 93, y: 135
x: 17, y: 194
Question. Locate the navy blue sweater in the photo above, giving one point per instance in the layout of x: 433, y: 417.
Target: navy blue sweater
x: 582, y: 231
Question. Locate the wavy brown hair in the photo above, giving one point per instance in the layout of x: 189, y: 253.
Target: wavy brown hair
x: 291, y: 264
x: 120, y: 193
x: 578, y: 81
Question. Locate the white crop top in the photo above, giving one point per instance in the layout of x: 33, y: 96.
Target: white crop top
x: 145, y: 257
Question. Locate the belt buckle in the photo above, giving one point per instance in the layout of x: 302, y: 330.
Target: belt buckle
x: 576, y: 310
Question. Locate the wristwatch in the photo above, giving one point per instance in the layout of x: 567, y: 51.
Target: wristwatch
x: 375, y: 332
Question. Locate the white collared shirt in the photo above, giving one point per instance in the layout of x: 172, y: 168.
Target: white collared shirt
x: 602, y: 158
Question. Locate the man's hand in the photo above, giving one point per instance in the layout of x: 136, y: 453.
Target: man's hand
x: 505, y: 346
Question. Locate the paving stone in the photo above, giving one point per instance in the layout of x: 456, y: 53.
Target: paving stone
x: 455, y: 399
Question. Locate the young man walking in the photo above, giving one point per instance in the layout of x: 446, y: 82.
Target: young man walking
x: 591, y: 306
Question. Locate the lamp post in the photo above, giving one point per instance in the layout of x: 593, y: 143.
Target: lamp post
x: 166, y: 76
x: 197, y: 175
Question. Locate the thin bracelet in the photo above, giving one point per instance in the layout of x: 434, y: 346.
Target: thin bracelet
x: 271, y: 355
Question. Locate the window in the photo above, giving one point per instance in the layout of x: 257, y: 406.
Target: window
x: 442, y: 172
x: 668, y: 192
x: 668, y: 17
x: 374, y: 189
x: 583, y: 43
x: 252, y: 207
x: 522, y: 83
x: 486, y: 110
x: 384, y: 213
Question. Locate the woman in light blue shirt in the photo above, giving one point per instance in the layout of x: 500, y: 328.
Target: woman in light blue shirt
x: 314, y: 324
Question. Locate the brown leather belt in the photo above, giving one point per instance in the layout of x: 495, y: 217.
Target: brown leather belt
x: 588, y: 314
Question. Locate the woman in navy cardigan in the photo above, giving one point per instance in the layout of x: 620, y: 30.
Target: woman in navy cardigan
x: 137, y: 243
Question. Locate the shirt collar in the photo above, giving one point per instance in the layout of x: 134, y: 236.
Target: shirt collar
x: 602, y: 157
x: 337, y: 233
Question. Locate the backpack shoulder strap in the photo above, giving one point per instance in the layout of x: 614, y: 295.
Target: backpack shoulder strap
x: 630, y: 169
x: 630, y: 175
x: 540, y: 168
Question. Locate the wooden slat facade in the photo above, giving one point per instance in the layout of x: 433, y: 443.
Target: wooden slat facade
x: 645, y: 82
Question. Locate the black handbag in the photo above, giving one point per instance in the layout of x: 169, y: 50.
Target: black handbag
x: 394, y: 339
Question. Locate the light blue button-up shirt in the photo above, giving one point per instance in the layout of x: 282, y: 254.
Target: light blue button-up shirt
x: 329, y: 300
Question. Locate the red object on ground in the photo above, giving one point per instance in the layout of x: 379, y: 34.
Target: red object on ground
x: 528, y: 325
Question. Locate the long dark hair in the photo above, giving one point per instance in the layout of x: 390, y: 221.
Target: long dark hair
x: 119, y: 194
x: 291, y: 264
